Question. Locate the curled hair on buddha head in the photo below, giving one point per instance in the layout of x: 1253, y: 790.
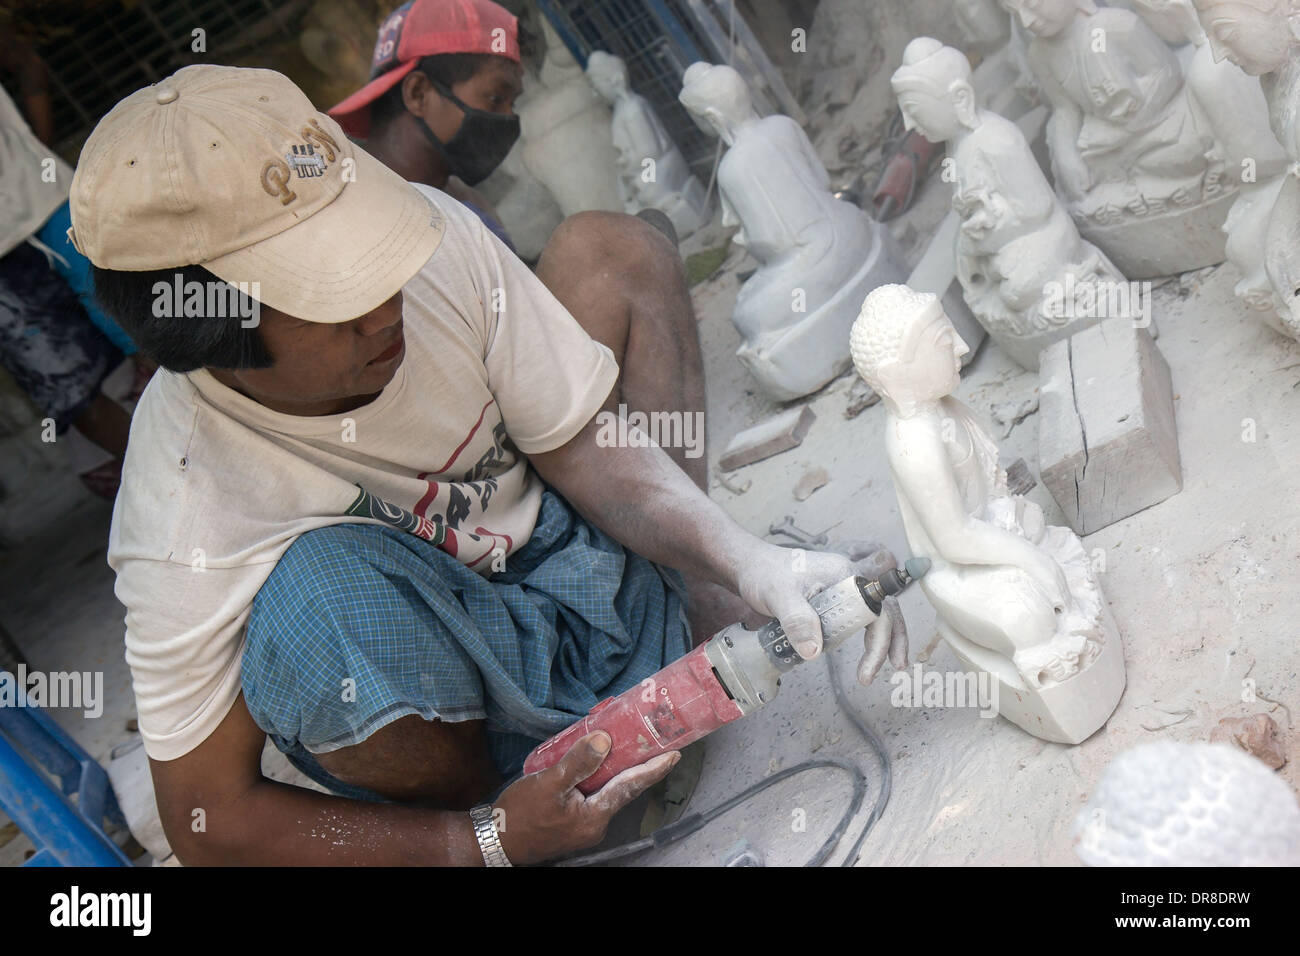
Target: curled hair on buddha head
x: 884, y: 332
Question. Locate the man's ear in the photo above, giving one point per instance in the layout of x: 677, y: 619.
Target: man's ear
x: 416, y: 89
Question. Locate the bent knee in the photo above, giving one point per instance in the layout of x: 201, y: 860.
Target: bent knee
x: 598, y: 239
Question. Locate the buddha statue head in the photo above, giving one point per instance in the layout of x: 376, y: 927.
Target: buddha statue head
x: 1174, y: 20
x: 716, y: 95
x: 905, y: 347
x: 1047, y: 18
x: 607, y: 75
x: 934, y: 90
x: 1256, y: 35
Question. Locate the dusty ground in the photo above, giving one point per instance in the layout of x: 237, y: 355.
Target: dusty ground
x: 1203, y: 587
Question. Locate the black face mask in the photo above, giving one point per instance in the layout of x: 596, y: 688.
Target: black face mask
x: 481, y: 143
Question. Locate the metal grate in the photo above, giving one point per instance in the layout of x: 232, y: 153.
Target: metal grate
x: 111, y: 49
x: 658, y: 42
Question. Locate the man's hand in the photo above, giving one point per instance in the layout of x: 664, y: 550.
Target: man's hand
x: 546, y: 815
x: 778, y: 581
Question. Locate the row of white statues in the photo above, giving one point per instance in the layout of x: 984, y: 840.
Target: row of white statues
x: 1160, y: 137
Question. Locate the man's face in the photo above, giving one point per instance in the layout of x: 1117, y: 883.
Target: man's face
x: 494, y: 89
x: 323, y: 369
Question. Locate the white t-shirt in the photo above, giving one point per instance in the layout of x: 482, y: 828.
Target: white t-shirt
x: 216, y: 487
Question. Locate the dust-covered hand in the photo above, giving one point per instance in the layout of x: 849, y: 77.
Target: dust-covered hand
x: 778, y: 582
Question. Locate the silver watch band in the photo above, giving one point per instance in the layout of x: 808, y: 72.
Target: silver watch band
x: 485, y: 830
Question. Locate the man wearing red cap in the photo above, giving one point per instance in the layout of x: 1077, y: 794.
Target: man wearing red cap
x: 444, y: 78
x: 439, y: 110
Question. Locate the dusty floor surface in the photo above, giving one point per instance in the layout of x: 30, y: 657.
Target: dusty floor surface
x: 1203, y: 586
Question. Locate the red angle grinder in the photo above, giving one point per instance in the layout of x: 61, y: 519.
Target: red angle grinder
x: 732, y: 674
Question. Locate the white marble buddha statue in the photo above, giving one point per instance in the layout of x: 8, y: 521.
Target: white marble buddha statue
x: 653, y: 174
x: 1014, y: 597
x: 566, y: 140
x: 818, y: 256
x: 1262, y: 37
x: 1140, y: 168
x: 1016, y: 239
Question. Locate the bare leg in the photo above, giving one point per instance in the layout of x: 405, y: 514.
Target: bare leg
x: 623, y: 281
x: 417, y: 760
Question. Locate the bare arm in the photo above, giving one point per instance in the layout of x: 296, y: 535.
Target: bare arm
x: 640, y: 497
x: 218, y: 809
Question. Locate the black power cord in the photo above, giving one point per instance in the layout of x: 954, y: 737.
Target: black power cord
x: 695, y: 821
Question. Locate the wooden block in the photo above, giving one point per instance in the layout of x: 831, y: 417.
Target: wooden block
x: 777, y: 434
x: 1107, y: 440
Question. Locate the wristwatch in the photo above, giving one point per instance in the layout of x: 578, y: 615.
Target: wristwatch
x: 485, y: 829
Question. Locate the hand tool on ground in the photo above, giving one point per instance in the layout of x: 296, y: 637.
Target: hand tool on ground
x: 787, y: 528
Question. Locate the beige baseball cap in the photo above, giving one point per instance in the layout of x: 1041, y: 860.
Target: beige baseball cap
x: 235, y: 170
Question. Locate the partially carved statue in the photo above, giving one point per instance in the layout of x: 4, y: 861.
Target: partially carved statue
x: 1015, y: 597
x: 818, y: 256
x: 1262, y: 37
x: 653, y: 174
x: 1140, y: 168
x: 1016, y: 241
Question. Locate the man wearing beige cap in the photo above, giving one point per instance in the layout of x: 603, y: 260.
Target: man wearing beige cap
x: 366, y: 509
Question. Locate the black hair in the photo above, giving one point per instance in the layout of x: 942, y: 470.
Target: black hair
x: 178, y: 340
x: 447, y: 69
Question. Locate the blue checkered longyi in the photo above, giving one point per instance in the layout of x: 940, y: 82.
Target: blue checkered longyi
x: 359, y: 625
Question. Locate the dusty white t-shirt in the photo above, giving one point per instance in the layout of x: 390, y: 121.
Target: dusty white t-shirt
x: 216, y: 487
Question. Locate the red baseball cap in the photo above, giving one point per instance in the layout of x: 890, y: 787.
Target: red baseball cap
x: 427, y: 28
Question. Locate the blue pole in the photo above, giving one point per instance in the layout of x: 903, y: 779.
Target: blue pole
x: 61, y: 835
